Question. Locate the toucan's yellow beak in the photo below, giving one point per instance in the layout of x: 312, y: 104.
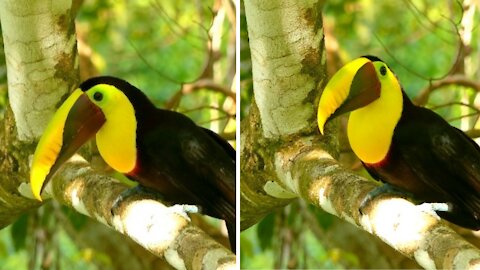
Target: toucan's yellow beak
x: 74, y: 123
x: 354, y: 86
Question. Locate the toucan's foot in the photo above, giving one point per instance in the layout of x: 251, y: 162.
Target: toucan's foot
x: 382, y: 190
x: 135, y: 191
x: 434, y: 208
x: 187, y: 208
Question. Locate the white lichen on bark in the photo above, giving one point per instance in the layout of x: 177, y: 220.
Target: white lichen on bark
x: 424, y: 259
x: 35, y: 44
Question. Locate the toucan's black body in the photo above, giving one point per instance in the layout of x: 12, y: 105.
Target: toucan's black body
x: 435, y: 162
x: 186, y: 163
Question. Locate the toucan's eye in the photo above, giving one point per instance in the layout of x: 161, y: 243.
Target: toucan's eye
x: 98, y: 96
x: 383, y: 70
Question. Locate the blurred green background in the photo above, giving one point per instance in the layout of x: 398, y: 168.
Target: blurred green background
x: 182, y: 55
x: 425, y: 42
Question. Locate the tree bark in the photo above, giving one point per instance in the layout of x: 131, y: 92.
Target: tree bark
x: 40, y: 48
x: 284, y: 156
x: 287, y: 65
x: 40, y: 53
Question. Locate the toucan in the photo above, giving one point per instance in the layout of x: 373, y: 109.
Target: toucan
x: 162, y: 150
x: 414, y: 151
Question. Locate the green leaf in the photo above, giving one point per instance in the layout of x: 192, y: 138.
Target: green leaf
x: 246, y: 249
x: 77, y: 220
x: 19, y: 232
x: 265, y: 231
x: 324, y: 219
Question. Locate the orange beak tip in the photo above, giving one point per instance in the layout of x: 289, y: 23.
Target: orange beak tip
x: 321, y: 121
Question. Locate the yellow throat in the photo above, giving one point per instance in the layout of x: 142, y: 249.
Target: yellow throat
x: 116, y: 140
x: 370, y: 129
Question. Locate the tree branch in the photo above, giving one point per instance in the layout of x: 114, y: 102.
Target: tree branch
x: 456, y: 79
x: 163, y: 230
x: 473, y: 133
x: 207, y: 84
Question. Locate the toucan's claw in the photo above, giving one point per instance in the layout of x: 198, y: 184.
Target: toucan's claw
x: 385, y: 189
x: 136, y: 191
x: 433, y: 208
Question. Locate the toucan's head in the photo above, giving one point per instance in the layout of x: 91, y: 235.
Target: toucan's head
x: 356, y: 85
x: 104, y: 106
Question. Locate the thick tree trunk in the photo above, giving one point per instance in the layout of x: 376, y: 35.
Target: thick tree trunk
x: 288, y: 66
x: 288, y: 63
x: 284, y: 156
x: 40, y: 49
x: 40, y: 54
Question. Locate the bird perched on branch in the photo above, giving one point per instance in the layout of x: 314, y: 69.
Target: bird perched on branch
x: 162, y: 150
x: 411, y: 149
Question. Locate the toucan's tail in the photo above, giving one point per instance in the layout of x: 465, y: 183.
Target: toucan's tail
x: 232, y: 235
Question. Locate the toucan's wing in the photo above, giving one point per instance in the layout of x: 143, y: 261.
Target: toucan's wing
x: 210, y: 160
x: 460, y: 156
x: 222, y: 142
x: 444, y: 159
x: 188, y: 164
x: 214, y: 163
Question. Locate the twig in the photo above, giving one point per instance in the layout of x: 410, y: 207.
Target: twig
x: 213, y: 120
x: 462, y: 116
x: 472, y: 107
x: 208, y: 108
x: 456, y: 79
x: 229, y: 136
x: 473, y: 133
x: 206, y: 84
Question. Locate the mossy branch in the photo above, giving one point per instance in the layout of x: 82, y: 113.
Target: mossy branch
x: 163, y: 230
